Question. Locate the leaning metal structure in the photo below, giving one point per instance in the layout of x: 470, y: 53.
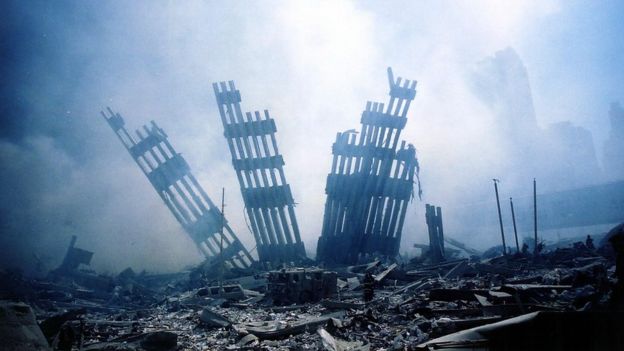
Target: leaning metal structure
x: 260, y: 170
x: 371, y: 182
x: 172, y: 179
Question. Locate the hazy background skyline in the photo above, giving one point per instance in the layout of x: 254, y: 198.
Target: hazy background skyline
x: 313, y: 65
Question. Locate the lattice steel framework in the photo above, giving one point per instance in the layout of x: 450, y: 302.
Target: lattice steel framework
x: 371, y: 182
x: 260, y: 170
x: 172, y: 179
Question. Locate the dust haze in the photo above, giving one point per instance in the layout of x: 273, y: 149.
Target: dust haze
x: 514, y: 91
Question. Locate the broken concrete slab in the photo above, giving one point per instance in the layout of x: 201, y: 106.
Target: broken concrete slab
x: 248, y: 340
x: 379, y: 277
x: 278, y: 329
x: 331, y: 343
x: 353, y: 283
x: 19, y: 329
x: 228, y: 292
x: 214, y: 319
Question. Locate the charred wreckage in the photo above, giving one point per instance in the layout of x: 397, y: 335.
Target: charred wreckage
x: 359, y: 293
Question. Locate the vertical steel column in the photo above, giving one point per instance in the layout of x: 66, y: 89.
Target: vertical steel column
x: 535, y: 251
x: 259, y: 167
x: 513, y: 219
x: 366, y: 213
x: 500, y: 217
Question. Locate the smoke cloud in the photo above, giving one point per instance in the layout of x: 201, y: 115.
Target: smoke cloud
x: 313, y: 65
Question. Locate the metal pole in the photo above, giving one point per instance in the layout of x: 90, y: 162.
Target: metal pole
x: 513, y: 218
x: 500, y: 217
x: 535, y: 216
x: 221, y: 242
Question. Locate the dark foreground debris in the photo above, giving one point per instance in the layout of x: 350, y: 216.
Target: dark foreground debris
x: 540, y: 331
x: 19, y: 329
x: 566, y: 297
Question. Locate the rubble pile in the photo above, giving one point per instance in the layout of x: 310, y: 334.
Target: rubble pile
x: 408, y: 304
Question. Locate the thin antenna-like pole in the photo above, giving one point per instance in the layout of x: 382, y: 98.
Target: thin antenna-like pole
x: 221, y: 242
x: 513, y: 219
x: 535, y: 216
x: 500, y: 216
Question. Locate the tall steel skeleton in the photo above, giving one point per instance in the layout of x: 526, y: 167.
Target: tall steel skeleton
x: 260, y: 170
x: 370, y: 183
x: 172, y: 179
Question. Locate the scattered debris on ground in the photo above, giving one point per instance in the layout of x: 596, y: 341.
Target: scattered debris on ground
x: 464, y: 303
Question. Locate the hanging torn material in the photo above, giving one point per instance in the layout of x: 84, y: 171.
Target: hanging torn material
x: 371, y: 182
x: 171, y: 177
x: 260, y: 171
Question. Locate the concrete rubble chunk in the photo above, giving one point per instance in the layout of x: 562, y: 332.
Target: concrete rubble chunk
x: 248, y: 340
x: 332, y: 344
x: 212, y: 318
x: 19, y: 329
x: 277, y: 330
x: 379, y: 277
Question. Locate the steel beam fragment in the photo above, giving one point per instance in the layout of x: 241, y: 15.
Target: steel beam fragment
x: 172, y: 179
x: 260, y: 172
x: 370, y: 183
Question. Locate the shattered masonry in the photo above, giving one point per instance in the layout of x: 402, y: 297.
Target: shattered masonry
x: 268, y: 199
x: 370, y: 182
x: 171, y: 177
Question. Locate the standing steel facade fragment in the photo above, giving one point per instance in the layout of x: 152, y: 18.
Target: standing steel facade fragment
x: 172, y: 179
x: 433, y: 216
x: 260, y: 170
x: 371, y: 182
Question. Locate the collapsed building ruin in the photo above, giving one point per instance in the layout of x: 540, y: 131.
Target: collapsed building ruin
x: 447, y: 298
x: 370, y: 183
x: 268, y: 199
x: 462, y: 303
x: 171, y: 177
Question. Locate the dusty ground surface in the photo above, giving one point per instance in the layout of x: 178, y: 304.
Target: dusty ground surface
x: 413, y: 303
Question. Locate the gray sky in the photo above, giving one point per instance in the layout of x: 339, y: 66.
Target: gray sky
x: 312, y: 64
